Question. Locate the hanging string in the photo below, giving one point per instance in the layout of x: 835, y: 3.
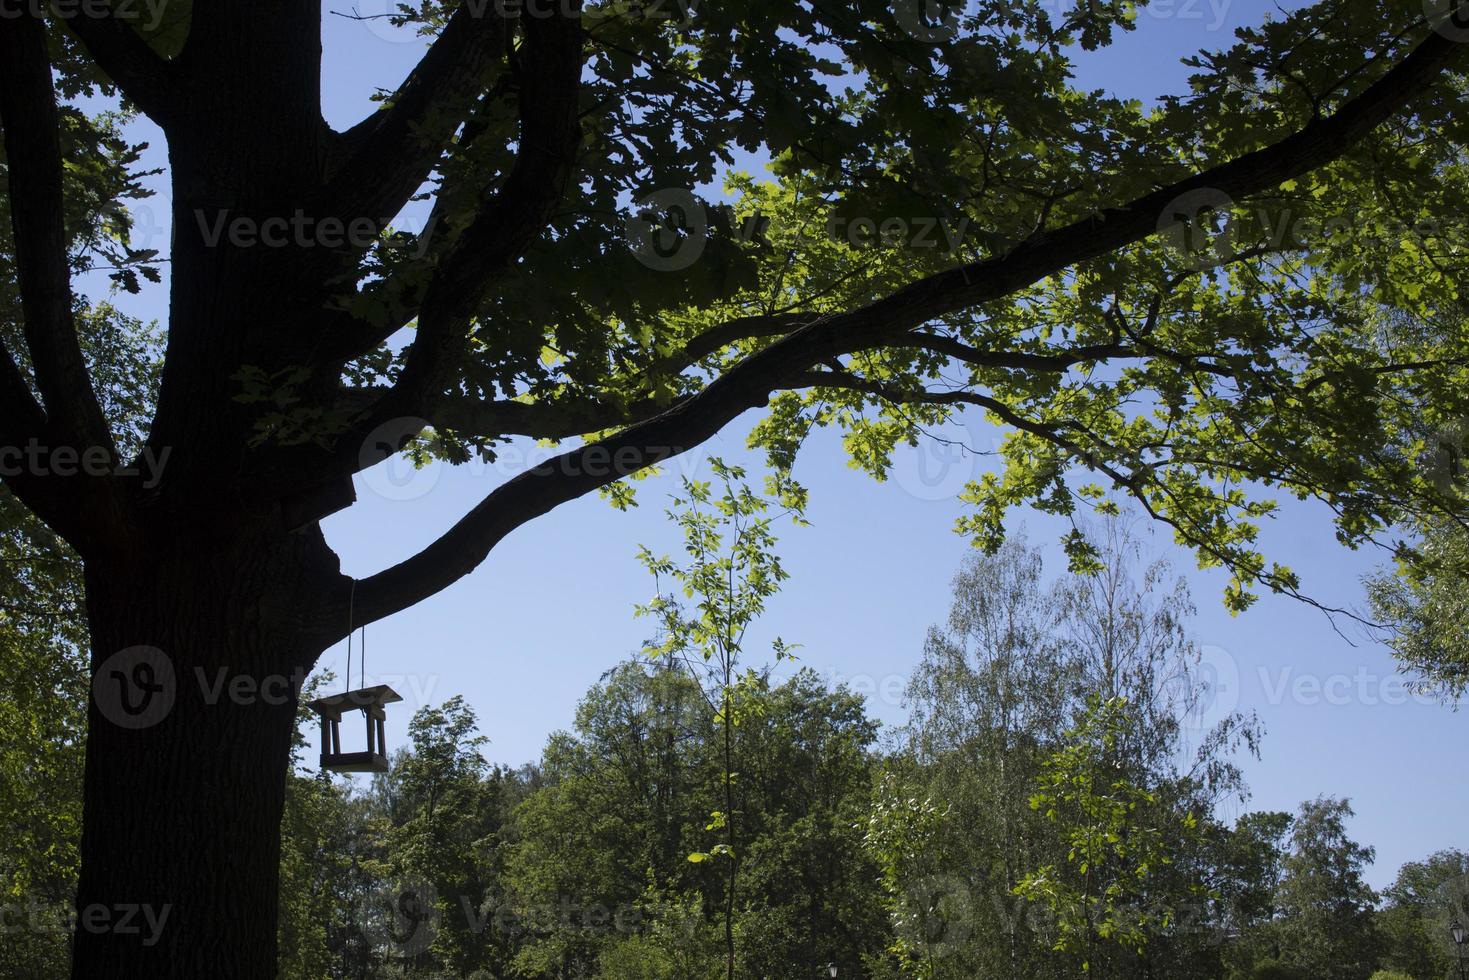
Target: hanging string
x: 351, y: 603
x: 362, y: 675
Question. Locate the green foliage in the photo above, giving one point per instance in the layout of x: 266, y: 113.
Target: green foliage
x: 1115, y: 844
x: 444, y: 847
x: 903, y: 863
x: 1045, y: 759
x: 404, y: 877
x: 43, y: 708
x: 732, y: 570
x: 318, y: 847
x: 1419, y: 908
x: 678, y: 942
x: 1249, y: 859
x: 1424, y: 604
x: 1271, y: 970
x: 626, y: 795
x: 903, y: 838
x: 1326, y: 926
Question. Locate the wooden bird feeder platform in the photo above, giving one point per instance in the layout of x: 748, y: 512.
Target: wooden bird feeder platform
x: 368, y: 700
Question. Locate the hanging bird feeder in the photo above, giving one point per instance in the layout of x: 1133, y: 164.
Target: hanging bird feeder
x: 368, y: 700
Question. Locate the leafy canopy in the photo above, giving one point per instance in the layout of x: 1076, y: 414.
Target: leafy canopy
x: 1240, y: 291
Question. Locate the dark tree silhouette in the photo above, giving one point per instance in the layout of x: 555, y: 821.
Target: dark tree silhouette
x: 531, y: 128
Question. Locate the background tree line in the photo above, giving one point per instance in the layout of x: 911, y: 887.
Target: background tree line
x: 1053, y: 808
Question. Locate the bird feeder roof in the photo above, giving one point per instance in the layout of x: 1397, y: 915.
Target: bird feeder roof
x: 366, y: 697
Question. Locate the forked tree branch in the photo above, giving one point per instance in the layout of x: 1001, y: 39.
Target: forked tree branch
x: 889, y: 320
x: 29, y: 113
x: 499, y: 233
x: 550, y: 129
x: 388, y: 155
x: 572, y: 416
x: 21, y: 422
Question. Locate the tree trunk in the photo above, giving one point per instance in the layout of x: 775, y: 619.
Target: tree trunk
x: 196, y: 676
x: 209, y: 610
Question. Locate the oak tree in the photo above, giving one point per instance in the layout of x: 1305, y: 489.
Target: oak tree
x: 1186, y: 300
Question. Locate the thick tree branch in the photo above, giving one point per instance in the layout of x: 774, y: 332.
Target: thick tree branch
x: 251, y: 73
x: 33, y: 155
x: 1018, y: 360
x: 1319, y: 142
x: 147, y: 80
x: 85, y: 508
x: 345, y: 338
x: 536, y: 492
x: 551, y: 63
x: 21, y: 422
x: 389, y: 155
x: 495, y: 237
x: 506, y: 225
x: 889, y: 320
x: 742, y: 328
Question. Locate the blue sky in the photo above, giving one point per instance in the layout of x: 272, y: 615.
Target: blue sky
x: 551, y: 609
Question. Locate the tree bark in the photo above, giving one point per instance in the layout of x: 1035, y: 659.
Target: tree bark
x: 198, y: 666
